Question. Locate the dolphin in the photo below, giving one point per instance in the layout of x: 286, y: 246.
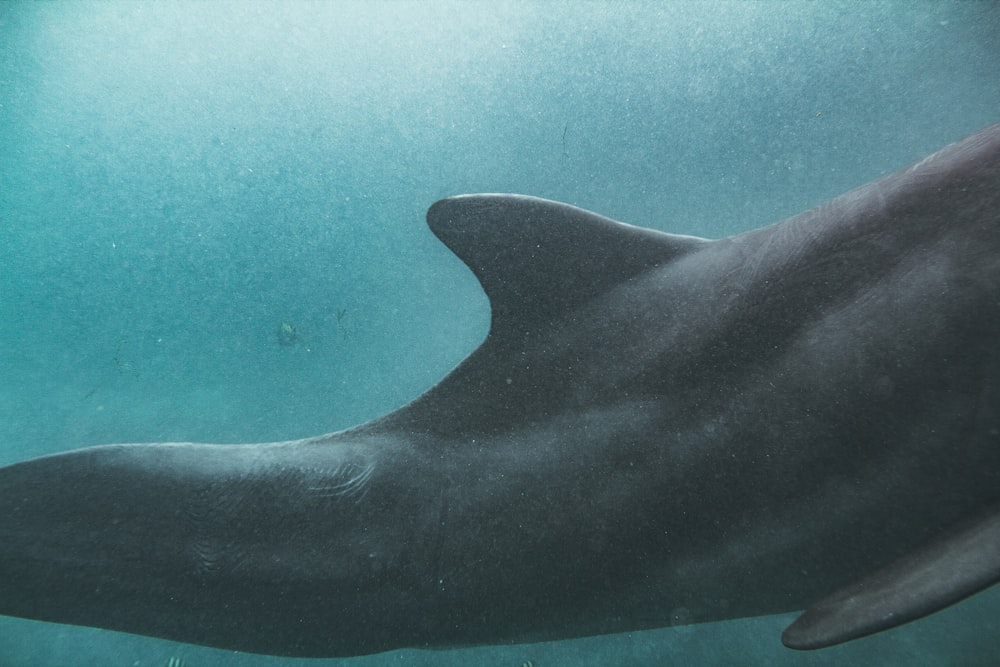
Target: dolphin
x: 657, y: 430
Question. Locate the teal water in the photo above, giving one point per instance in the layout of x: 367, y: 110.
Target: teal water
x: 179, y: 179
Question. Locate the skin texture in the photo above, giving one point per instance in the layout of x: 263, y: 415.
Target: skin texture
x: 657, y: 430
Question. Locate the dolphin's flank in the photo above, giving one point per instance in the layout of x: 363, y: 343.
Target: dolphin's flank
x: 657, y: 427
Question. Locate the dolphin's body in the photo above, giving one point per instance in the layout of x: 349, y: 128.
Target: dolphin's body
x: 658, y: 429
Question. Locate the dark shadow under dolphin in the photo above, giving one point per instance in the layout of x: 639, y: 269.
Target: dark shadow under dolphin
x: 658, y: 429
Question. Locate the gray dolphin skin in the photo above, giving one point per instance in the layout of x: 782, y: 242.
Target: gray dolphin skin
x: 657, y: 430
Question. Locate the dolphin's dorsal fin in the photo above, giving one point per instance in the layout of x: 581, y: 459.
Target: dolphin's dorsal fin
x: 537, y: 258
x: 921, y: 583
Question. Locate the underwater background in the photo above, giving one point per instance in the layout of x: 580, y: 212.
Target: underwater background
x: 180, y: 180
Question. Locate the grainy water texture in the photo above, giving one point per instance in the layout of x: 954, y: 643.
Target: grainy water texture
x: 180, y: 180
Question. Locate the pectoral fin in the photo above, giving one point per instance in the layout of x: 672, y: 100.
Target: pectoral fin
x: 922, y: 582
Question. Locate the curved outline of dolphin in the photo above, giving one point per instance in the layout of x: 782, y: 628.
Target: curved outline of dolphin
x: 658, y: 429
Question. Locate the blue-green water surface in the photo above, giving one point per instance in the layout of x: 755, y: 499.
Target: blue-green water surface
x: 178, y: 179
